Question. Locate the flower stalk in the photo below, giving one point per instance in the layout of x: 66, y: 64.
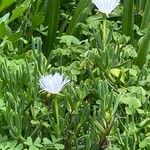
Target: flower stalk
x: 57, y: 115
x: 104, y: 32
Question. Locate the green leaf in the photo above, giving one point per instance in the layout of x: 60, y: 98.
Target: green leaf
x: 130, y: 52
x: 144, y: 47
x: 5, y: 3
x: 14, y: 37
x: 79, y: 16
x: 35, y: 122
x: 3, y: 30
x: 129, y: 110
x: 37, y: 20
x: 29, y: 141
x: 18, y: 12
x: 13, y: 144
x: 145, y: 142
x: 142, y: 4
x: 144, y: 122
x: 146, y: 17
x: 46, y: 141
x: 32, y: 147
x: 98, y: 126
x: 128, y: 17
x: 132, y: 102
x: 5, y: 18
x: 52, y: 21
x: 37, y: 142
x: 19, y: 147
x: 59, y: 146
x: 118, y: 73
x: 2, y: 105
x: 69, y: 40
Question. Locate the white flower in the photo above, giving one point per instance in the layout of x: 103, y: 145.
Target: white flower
x: 53, y: 83
x: 106, y: 6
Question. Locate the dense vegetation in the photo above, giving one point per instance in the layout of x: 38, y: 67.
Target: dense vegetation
x: 106, y: 103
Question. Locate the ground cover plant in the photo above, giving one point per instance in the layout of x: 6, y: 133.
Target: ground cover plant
x: 74, y: 75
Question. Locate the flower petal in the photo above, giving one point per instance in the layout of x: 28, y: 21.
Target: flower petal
x: 53, y: 83
x: 106, y: 6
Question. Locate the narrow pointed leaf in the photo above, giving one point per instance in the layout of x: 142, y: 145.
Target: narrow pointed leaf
x: 5, y: 3
x: 143, y: 49
x: 79, y: 16
x: 128, y: 17
x: 146, y: 17
x: 53, y: 14
x: 18, y: 12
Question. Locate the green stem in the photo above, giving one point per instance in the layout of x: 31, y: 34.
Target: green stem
x: 104, y: 32
x: 57, y: 116
x: 22, y: 140
x: 35, y: 130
